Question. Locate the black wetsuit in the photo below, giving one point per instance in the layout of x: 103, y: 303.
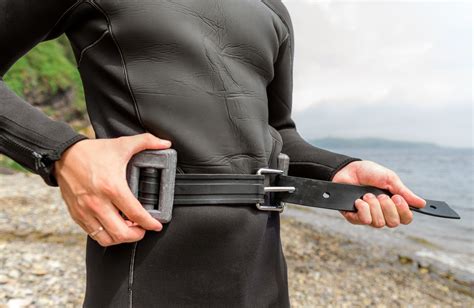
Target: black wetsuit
x: 212, y: 76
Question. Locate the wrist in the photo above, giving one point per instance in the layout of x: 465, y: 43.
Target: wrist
x: 345, y: 169
x: 59, y: 164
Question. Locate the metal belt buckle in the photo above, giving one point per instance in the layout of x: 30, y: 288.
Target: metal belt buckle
x: 151, y: 178
x: 268, y: 205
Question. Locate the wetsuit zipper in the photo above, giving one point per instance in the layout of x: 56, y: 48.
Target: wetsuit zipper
x: 41, y: 159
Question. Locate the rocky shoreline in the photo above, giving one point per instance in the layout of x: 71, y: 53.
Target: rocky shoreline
x: 326, y: 269
x: 42, y: 260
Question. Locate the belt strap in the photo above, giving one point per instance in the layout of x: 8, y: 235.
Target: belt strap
x: 203, y: 188
x: 222, y: 189
x: 335, y: 196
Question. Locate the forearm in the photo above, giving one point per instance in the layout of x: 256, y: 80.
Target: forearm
x: 309, y: 161
x: 29, y: 137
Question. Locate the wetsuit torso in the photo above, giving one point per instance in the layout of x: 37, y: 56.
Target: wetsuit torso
x: 212, y: 76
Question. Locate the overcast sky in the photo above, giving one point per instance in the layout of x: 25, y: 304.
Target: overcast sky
x: 393, y: 69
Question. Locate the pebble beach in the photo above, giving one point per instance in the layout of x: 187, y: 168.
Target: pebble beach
x: 42, y: 260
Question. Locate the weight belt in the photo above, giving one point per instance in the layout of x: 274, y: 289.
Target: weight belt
x: 152, y: 177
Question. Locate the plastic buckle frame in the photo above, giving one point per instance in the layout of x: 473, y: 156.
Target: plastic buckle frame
x: 166, y: 161
x: 268, y: 206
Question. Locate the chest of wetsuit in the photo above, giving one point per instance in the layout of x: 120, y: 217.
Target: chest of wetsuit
x: 212, y: 76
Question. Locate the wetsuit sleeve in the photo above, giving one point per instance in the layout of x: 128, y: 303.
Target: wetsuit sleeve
x: 27, y: 135
x: 306, y: 160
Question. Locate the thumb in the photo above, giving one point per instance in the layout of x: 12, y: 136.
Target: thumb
x: 145, y: 141
x: 397, y: 187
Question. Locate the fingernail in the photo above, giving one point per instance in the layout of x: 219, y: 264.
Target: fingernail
x: 158, y: 229
x: 397, y: 199
x: 382, y: 197
x: 166, y: 142
x: 369, y: 196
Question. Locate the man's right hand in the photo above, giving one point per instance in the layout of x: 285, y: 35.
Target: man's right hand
x: 91, y: 175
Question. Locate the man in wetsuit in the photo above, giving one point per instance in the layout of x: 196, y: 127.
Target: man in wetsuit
x: 214, y: 77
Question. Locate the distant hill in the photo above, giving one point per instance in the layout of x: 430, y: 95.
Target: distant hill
x: 369, y: 143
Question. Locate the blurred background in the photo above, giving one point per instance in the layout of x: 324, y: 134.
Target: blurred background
x: 391, y: 81
x: 388, y: 81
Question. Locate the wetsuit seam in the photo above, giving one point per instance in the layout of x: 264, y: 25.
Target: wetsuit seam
x: 88, y: 47
x: 67, y: 11
x: 274, y: 142
x: 281, y: 18
x: 288, y: 37
x: 273, y: 130
x: 131, y: 273
x: 124, y: 63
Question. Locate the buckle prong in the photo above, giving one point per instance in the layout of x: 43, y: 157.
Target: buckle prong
x: 271, y: 189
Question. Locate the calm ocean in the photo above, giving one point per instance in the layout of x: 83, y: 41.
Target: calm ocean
x: 434, y: 173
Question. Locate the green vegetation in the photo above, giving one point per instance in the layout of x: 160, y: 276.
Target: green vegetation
x: 6, y: 162
x: 45, y: 71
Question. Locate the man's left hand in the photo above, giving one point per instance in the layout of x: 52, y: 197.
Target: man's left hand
x: 382, y: 210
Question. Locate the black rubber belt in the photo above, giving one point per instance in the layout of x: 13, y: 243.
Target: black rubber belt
x: 218, y: 189
x: 329, y: 195
x: 241, y: 189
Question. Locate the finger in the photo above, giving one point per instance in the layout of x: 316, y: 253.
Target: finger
x: 363, y: 212
x: 145, y: 141
x: 390, y: 213
x: 83, y: 217
x: 116, y: 227
x: 378, y: 220
x: 406, y: 215
x: 351, y: 217
x: 130, y: 223
x: 396, y: 186
x: 132, y: 208
x: 91, y: 226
